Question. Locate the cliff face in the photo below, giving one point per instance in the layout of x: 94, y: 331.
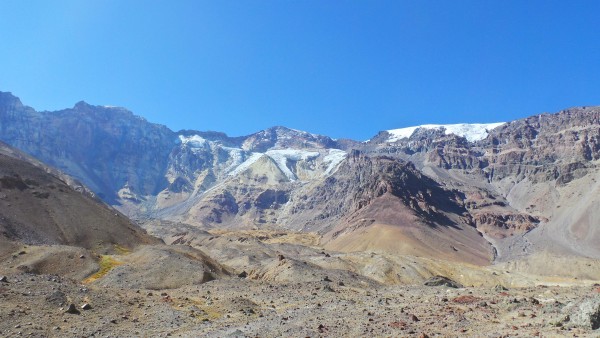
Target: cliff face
x: 546, y: 147
x: 107, y: 148
x: 526, y: 185
x: 547, y: 166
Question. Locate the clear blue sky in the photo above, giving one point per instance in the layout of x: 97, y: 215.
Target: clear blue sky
x: 340, y: 68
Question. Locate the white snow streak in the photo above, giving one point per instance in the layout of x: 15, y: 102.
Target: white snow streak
x: 333, y: 159
x: 246, y: 164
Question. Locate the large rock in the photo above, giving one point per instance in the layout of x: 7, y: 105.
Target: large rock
x: 442, y: 281
x: 587, y: 314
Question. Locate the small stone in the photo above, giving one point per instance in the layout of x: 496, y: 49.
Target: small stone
x: 243, y: 274
x: 466, y: 299
x: 398, y: 325
x: 3, y: 279
x: 499, y: 288
x: 86, y: 306
x: 72, y: 309
x: 57, y: 298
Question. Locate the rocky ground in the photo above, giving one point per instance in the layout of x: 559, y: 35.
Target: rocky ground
x: 338, y: 304
x: 37, y: 305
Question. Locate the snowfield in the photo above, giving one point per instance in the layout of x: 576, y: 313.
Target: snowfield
x: 472, y: 132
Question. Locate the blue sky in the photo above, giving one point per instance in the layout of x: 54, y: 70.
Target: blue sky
x: 340, y: 68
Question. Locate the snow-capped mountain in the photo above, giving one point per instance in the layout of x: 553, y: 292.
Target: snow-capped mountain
x: 434, y: 188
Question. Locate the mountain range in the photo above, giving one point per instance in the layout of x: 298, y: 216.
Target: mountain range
x: 475, y: 193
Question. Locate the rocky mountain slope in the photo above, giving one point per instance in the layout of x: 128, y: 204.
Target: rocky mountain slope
x: 470, y: 193
x: 39, y: 205
x: 529, y: 185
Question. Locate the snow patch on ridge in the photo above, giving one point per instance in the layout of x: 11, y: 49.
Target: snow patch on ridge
x: 471, y: 131
x: 282, y: 156
x: 333, y: 159
x: 194, y: 141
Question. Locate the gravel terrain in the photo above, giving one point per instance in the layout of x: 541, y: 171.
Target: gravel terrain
x: 37, y: 305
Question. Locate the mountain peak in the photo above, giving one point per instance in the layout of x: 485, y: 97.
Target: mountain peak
x: 81, y: 105
x: 8, y: 99
x: 283, y: 130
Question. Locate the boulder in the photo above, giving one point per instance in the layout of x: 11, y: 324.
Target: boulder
x: 442, y: 281
x: 587, y: 314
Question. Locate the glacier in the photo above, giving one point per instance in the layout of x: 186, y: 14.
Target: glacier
x: 471, y: 131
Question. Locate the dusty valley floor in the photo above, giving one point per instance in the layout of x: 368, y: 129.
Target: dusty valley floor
x: 35, y: 306
x: 291, y: 291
